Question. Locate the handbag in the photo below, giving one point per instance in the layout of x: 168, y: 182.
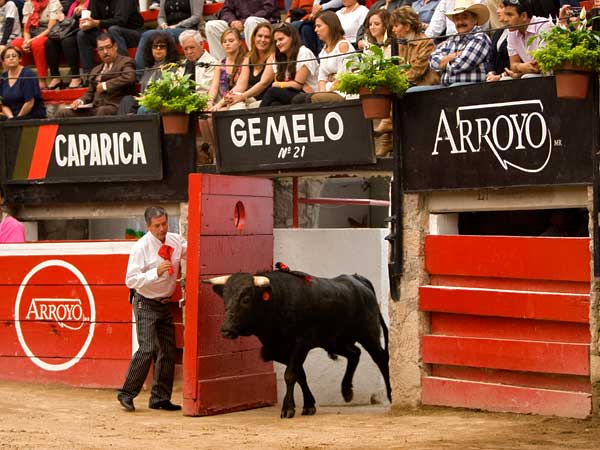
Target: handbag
x: 63, y: 29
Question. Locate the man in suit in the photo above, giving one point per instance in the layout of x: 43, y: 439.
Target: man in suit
x: 109, y: 82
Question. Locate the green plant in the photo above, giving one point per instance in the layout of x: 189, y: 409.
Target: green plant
x: 573, y: 44
x: 372, y: 70
x: 172, y: 92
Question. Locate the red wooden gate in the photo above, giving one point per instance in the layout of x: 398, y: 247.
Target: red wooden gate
x: 230, y: 230
x: 509, y: 324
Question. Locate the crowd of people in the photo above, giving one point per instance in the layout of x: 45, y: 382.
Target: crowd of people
x: 256, y: 55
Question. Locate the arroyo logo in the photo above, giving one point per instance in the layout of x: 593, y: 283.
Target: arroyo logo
x: 515, y: 132
x: 75, y: 314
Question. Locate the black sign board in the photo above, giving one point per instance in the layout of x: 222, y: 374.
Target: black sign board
x: 293, y: 137
x: 82, y: 150
x: 513, y: 133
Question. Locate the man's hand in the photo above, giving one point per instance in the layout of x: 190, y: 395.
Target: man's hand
x: 88, y: 24
x: 449, y: 57
x: 76, y: 104
x: 512, y: 73
x: 99, y: 88
x: 163, y: 267
x: 529, y: 67
x: 237, y: 24
x: 316, y: 9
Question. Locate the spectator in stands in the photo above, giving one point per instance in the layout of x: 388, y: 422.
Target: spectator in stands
x: 256, y: 75
x: 333, y: 59
x: 122, y: 20
x: 20, y: 92
x: 38, y: 17
x: 68, y: 47
x: 498, y: 60
x: 389, y: 6
x: 414, y: 48
x: 307, y: 27
x: 440, y: 23
x: 174, y: 17
x: 425, y: 10
x: 198, y: 63
x: 243, y: 15
x: 378, y: 30
x: 154, y: 5
x: 160, y: 49
x: 10, y: 23
x: 299, y: 11
x: 461, y: 58
x: 11, y: 230
x: 110, y: 81
x: 296, y: 68
x: 352, y: 16
x: 522, y: 26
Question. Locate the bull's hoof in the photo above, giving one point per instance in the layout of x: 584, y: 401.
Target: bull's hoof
x: 288, y: 413
x: 309, y: 411
x: 348, y: 394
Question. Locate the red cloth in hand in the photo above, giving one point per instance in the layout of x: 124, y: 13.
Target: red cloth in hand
x: 165, y: 252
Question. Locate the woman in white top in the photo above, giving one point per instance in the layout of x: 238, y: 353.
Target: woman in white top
x: 333, y: 57
x: 296, y: 67
x: 352, y: 16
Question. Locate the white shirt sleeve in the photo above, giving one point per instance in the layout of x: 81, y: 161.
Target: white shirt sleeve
x: 135, y: 277
x: 437, y: 25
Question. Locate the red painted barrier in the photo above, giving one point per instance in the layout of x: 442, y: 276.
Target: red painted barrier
x: 230, y: 229
x: 65, y: 316
x: 509, y: 324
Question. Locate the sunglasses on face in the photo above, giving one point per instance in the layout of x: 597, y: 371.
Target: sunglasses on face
x: 159, y: 46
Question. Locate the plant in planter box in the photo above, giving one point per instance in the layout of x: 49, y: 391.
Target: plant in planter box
x: 375, y: 75
x: 173, y: 94
x: 571, y: 51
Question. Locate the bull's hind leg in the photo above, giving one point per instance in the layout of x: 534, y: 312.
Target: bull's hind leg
x: 381, y: 358
x: 352, y: 353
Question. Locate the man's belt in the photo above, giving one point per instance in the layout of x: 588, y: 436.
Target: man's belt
x: 162, y: 300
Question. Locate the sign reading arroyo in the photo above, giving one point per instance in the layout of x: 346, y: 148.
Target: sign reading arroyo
x: 55, y: 293
x: 472, y: 137
x: 293, y: 137
x: 84, y: 151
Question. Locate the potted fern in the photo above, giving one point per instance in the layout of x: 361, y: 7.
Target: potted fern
x: 572, y: 52
x: 174, y: 96
x: 376, y: 78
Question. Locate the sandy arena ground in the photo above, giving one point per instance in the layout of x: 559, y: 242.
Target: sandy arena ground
x: 58, y: 417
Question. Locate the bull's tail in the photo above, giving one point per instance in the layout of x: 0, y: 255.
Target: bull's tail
x: 384, y: 328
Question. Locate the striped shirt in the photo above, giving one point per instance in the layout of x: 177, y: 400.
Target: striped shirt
x: 469, y: 66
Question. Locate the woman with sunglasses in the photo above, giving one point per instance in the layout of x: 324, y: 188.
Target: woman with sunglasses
x: 296, y: 68
x: 160, y: 49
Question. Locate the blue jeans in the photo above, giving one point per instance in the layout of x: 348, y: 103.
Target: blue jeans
x: 139, y: 54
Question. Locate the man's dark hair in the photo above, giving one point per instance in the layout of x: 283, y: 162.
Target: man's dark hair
x: 104, y: 36
x: 153, y: 212
x: 522, y: 6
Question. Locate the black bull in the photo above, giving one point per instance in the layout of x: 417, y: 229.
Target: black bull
x: 291, y: 313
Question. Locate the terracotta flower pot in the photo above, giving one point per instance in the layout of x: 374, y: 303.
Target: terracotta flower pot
x: 376, y: 104
x: 175, y: 123
x: 572, y: 82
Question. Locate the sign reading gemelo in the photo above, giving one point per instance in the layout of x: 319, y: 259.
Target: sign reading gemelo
x: 293, y: 137
x: 84, y: 151
x: 513, y: 133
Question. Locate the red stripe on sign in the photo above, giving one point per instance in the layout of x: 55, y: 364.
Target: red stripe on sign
x: 42, y: 151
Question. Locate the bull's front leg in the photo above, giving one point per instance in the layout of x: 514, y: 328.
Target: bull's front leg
x: 292, y: 374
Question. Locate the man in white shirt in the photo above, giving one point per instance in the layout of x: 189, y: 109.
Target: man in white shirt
x: 10, y: 25
x: 193, y: 48
x: 152, y: 271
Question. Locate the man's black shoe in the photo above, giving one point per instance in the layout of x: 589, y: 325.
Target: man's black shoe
x: 126, y: 402
x: 166, y: 405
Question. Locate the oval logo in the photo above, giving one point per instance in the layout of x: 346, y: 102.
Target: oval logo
x: 55, y: 315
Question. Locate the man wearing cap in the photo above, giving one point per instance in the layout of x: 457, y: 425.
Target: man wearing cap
x: 522, y: 26
x: 461, y: 58
x: 152, y: 272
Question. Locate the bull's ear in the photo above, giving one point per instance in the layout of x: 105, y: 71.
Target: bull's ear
x: 218, y: 289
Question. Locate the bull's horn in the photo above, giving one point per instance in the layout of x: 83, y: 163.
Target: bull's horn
x: 261, y: 281
x: 218, y: 281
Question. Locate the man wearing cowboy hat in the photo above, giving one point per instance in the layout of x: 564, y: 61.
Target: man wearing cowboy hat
x: 522, y: 26
x: 461, y: 58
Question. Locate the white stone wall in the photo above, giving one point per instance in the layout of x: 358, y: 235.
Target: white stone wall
x: 328, y: 253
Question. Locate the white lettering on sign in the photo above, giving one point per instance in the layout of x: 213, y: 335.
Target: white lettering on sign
x: 99, y: 149
x: 299, y: 128
x: 503, y: 133
x: 56, y: 309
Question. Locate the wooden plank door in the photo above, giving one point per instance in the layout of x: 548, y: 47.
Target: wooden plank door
x: 230, y: 230
x: 509, y: 324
